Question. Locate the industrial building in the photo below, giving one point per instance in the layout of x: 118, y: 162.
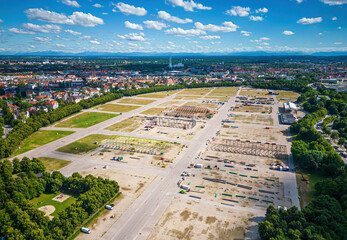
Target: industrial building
x: 289, y: 107
x: 287, y: 118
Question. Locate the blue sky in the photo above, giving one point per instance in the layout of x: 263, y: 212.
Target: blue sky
x: 173, y: 25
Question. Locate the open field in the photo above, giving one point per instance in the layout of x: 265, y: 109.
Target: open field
x: 131, y: 185
x: 40, y: 138
x: 135, y: 101
x: 189, y: 219
x: 47, y: 199
x: 223, y: 91
x: 117, y: 108
x: 253, y: 108
x: 212, y: 106
x: 183, y: 97
x: 221, y: 99
x: 195, y: 91
x: 153, y: 111
x: 84, y: 145
x: 158, y: 94
x: 254, y: 92
x: 127, y: 125
x: 170, y: 103
x: 86, y: 120
x: 53, y: 164
x: 287, y: 94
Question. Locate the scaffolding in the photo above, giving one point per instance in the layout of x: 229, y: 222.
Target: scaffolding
x: 271, y: 150
x: 171, y: 122
x: 188, y: 111
x: 130, y: 144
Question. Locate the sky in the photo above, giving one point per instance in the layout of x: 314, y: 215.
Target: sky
x: 179, y: 26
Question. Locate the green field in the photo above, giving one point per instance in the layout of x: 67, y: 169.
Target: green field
x: 224, y: 91
x: 135, y: 101
x: 153, y: 111
x: 53, y: 164
x: 86, y: 120
x: 117, y: 108
x: 255, y: 93
x: 83, y: 145
x: 287, y: 94
x: 127, y: 125
x: 40, y: 138
x: 46, y: 199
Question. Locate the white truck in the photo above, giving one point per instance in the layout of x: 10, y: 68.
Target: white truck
x: 108, y: 207
x: 85, y: 230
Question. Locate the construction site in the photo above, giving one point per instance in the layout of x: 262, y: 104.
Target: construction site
x: 189, y: 112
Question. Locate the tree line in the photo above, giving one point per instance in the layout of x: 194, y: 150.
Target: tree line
x: 325, y: 216
x: 20, y: 219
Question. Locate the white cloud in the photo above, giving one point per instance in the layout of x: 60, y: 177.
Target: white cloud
x: 166, y: 16
x: 43, y: 39
x: 262, y: 10
x: 60, y: 45
x: 337, y: 43
x: 265, y: 44
x: 320, y: 34
x: 182, y: 33
x: 239, y: 11
x: 77, y: 18
x: 188, y: 6
x: 245, y: 33
x: 155, y: 25
x: 73, y: 32
x: 1, y: 21
x: 132, y: 37
x: 265, y: 38
x: 299, y: 1
x: 94, y: 42
x: 226, y: 27
x: 129, y: 9
x: 2, y: 49
x: 43, y: 28
x: 334, y: 18
x: 97, y: 5
x: 339, y: 28
x: 286, y: 32
x: 133, y: 44
x: 130, y: 25
x: 334, y: 2
x: 85, y: 37
x: 305, y: 20
x: 209, y: 37
x: 71, y: 3
x: 256, y: 18
x: 104, y: 13
x: 20, y: 31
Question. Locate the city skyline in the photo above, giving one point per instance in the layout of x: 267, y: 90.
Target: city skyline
x: 175, y: 26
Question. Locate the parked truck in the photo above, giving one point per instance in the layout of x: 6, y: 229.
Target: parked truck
x: 85, y: 230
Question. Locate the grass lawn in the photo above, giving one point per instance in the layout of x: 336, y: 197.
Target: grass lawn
x: 86, y: 120
x: 135, y: 101
x: 46, y: 199
x: 224, y: 91
x: 153, y: 111
x: 40, y: 138
x: 127, y: 125
x: 158, y: 94
x: 53, y: 164
x: 170, y: 103
x: 117, y: 108
x: 307, y: 190
x: 183, y: 97
x: 195, y: 91
x: 287, y: 94
x: 83, y: 145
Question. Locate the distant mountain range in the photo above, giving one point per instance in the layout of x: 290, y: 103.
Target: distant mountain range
x: 157, y: 54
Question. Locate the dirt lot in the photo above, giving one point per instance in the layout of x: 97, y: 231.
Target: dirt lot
x: 127, y: 125
x: 171, y: 103
x: 188, y: 219
x: 254, y: 92
x: 132, y: 186
x: 169, y: 132
x: 256, y: 134
x: 252, y: 119
x: 253, y: 108
x: 212, y: 106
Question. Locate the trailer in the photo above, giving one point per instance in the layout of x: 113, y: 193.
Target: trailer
x: 185, y: 187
